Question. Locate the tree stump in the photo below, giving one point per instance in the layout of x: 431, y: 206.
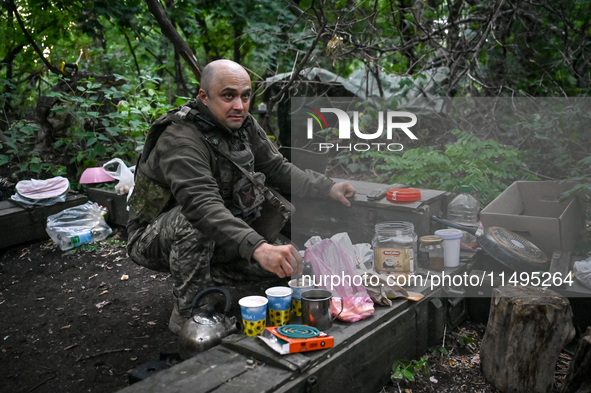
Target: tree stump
x: 527, y: 328
x: 578, y: 378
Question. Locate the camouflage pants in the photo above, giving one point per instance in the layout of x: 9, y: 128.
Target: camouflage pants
x: 171, y: 244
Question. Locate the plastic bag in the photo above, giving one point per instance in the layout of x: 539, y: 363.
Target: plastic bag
x: 123, y: 174
x: 582, y: 271
x: 335, y: 270
x: 42, y: 192
x: 77, y: 225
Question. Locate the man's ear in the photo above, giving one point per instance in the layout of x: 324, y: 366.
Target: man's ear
x: 203, y: 96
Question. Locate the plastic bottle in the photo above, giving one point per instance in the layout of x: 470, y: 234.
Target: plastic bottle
x: 77, y: 225
x: 463, y: 209
x: 86, y: 237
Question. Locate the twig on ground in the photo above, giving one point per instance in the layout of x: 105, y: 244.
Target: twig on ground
x: 103, y: 353
x: 39, y: 384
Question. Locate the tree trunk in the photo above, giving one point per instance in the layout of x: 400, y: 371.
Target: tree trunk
x: 527, y: 328
x: 578, y: 378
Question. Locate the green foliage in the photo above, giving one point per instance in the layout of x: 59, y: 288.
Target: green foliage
x: 103, y: 123
x: 485, y: 165
x: 438, y: 351
x: 406, y: 370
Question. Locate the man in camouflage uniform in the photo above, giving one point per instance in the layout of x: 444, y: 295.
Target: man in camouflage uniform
x: 184, y: 215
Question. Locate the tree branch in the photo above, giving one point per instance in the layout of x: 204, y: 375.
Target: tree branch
x: 296, y: 72
x: 38, y: 50
x: 169, y: 31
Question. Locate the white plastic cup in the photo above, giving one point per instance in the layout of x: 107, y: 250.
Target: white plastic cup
x: 452, y: 239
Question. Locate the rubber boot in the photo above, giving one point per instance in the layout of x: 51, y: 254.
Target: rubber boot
x: 178, y: 317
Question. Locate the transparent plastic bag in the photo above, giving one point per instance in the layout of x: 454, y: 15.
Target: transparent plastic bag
x: 123, y: 174
x: 582, y: 271
x: 335, y: 270
x: 77, y: 225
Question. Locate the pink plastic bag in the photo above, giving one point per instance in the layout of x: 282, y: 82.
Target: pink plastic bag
x: 334, y: 270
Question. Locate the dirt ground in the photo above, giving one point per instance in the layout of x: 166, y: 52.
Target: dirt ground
x: 79, y: 321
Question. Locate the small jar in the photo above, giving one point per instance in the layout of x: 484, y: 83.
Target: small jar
x: 431, y: 252
x: 394, y: 247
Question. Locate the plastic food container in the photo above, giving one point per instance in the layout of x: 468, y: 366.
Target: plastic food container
x: 451, y: 246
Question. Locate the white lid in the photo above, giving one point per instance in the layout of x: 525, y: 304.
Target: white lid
x: 449, y: 234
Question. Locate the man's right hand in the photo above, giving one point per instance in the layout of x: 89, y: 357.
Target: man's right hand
x: 281, y: 260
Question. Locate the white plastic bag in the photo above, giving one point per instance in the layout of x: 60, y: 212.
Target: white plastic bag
x: 77, y: 225
x: 332, y: 263
x: 123, y: 174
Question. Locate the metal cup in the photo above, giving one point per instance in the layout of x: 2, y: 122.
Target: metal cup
x: 316, y: 308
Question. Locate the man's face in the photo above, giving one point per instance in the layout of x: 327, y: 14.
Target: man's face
x: 229, y: 97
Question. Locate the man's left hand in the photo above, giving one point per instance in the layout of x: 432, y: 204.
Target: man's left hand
x: 342, y: 191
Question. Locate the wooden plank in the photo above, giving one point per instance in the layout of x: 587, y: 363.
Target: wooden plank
x: 204, y: 372
x: 259, y: 378
x: 260, y: 351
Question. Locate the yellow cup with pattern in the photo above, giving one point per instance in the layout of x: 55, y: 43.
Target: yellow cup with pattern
x: 298, y: 287
x: 279, y: 305
x: 254, y: 314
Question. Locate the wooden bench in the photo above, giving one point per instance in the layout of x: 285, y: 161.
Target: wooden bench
x: 361, y: 359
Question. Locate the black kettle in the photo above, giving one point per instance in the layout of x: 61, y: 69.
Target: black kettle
x: 206, y: 329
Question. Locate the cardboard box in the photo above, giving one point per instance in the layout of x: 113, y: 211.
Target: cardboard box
x: 532, y: 209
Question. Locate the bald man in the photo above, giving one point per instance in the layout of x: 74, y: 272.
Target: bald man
x: 185, y: 216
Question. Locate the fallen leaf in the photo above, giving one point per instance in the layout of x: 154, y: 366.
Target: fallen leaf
x: 103, y: 292
x: 102, y: 304
x: 66, y: 327
x: 432, y: 379
x: 151, y: 323
x: 124, y: 277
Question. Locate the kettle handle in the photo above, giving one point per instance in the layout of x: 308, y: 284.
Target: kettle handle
x: 210, y: 290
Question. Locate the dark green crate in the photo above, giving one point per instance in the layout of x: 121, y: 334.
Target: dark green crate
x: 21, y: 223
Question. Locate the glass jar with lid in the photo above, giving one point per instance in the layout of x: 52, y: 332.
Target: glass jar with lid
x: 431, y: 252
x: 395, y: 247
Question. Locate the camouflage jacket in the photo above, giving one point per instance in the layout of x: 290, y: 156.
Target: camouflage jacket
x: 179, y: 166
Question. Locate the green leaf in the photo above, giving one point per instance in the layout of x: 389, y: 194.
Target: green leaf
x: 100, y: 149
x: 408, y: 375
